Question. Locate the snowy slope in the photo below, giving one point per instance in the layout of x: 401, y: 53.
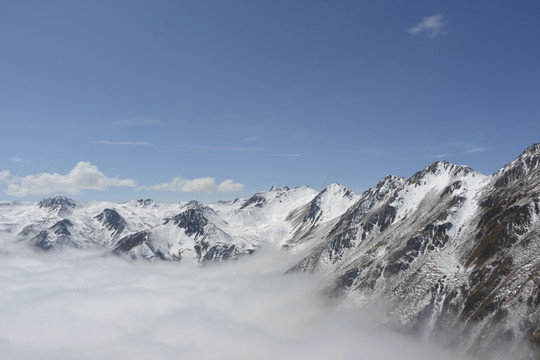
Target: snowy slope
x: 452, y: 250
x: 148, y: 229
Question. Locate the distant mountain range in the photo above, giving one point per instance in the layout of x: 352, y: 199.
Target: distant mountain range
x: 454, y: 251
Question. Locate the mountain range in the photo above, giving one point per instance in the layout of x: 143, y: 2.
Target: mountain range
x: 455, y: 253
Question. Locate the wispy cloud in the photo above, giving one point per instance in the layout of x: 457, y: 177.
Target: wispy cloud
x: 16, y: 159
x: 107, y: 142
x: 476, y: 149
x: 198, y: 185
x: 446, y: 150
x: 431, y: 27
x: 84, y: 176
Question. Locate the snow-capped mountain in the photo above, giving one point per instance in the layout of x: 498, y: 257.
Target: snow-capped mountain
x: 189, y: 231
x: 453, y: 251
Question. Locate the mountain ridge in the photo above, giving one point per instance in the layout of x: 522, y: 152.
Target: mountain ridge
x: 454, y: 251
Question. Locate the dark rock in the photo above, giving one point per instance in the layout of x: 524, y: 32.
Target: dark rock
x: 129, y: 242
x: 61, y: 204
x: 112, y: 221
x: 56, y: 236
x: 394, y: 269
x: 192, y: 221
x: 451, y: 188
x: 255, y: 200
x: 529, y: 160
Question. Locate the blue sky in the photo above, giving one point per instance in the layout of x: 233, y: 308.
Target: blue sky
x: 209, y: 100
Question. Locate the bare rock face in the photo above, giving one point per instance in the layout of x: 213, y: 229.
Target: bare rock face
x: 112, y: 221
x: 56, y: 236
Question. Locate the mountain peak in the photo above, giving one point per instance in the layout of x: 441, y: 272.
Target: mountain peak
x: 334, y: 186
x: 146, y: 202
x: 526, y: 162
x: 276, y: 188
x: 59, y: 203
x: 439, y: 168
x: 532, y: 150
x: 56, y: 200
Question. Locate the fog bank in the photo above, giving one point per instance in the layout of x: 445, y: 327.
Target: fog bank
x: 83, y: 305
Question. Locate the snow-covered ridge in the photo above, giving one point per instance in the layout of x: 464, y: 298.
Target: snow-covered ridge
x: 188, y: 231
x: 449, y: 247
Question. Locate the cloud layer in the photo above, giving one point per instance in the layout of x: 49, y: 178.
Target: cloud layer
x: 431, y: 27
x: 84, y: 176
x: 73, y: 305
x: 198, y: 185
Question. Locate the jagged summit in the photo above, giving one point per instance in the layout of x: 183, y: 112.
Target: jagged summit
x: 332, y: 201
x: 256, y: 200
x: 527, y: 162
x: 197, y: 205
x: 335, y: 188
x: 532, y: 150
x: 381, y: 190
x: 146, y: 202
x: 59, y: 204
x: 441, y: 168
x: 277, y: 188
x: 56, y: 201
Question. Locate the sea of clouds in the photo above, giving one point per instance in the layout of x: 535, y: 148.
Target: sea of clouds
x: 89, y: 305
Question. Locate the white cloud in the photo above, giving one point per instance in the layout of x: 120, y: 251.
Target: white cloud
x: 107, y: 142
x: 178, y: 184
x: 5, y: 176
x: 229, y: 185
x: 431, y: 27
x: 84, y: 176
x: 198, y: 185
x: 72, y: 305
x: 16, y: 159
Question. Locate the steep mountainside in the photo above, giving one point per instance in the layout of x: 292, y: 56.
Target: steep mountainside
x: 454, y: 251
